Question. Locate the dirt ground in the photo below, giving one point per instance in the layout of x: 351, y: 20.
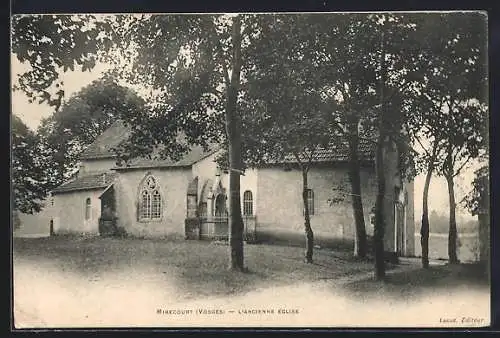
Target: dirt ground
x: 104, y: 282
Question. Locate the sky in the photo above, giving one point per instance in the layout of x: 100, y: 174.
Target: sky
x: 33, y: 113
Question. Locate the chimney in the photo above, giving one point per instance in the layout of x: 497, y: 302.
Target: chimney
x: 104, y: 178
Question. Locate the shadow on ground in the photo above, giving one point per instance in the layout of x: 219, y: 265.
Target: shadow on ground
x: 81, y: 282
x: 194, y: 268
x: 411, y: 284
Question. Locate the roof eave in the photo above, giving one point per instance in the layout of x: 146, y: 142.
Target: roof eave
x: 63, y: 191
x: 153, y: 166
x: 362, y: 161
x: 97, y: 157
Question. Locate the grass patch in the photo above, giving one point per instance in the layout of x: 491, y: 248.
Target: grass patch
x: 412, y: 284
x: 198, y: 268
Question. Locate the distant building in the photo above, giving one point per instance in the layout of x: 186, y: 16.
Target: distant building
x: 188, y: 198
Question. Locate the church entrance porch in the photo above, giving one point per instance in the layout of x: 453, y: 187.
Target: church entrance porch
x: 207, y: 212
x: 107, y: 220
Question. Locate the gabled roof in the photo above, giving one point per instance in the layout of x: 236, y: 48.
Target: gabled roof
x: 335, y: 153
x: 118, y: 132
x: 194, y: 155
x: 104, y: 143
x: 88, y: 182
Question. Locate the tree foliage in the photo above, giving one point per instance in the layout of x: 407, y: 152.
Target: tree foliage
x: 53, y: 44
x: 453, y: 103
x: 28, y: 169
x: 193, y: 64
x: 477, y: 201
x: 266, y: 85
x: 81, y: 119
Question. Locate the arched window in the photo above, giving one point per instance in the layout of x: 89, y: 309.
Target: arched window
x: 310, y: 201
x: 247, y: 203
x: 88, y: 209
x: 150, y: 203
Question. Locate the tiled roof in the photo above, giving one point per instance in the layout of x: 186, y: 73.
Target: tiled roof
x: 87, y: 182
x: 335, y: 153
x: 194, y: 155
x: 110, y: 138
x: 118, y: 132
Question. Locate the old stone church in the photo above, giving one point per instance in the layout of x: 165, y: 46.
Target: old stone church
x: 188, y: 198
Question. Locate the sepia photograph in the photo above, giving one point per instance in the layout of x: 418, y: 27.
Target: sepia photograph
x: 250, y: 170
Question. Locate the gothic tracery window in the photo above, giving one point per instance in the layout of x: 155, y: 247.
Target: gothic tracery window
x: 150, y: 201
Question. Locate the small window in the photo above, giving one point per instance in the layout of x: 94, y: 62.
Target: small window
x: 247, y: 203
x: 310, y: 201
x: 88, y: 209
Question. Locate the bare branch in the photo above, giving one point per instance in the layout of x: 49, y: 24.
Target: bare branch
x: 311, y: 155
x: 226, y: 74
x: 457, y: 172
x: 297, y: 157
x: 419, y: 142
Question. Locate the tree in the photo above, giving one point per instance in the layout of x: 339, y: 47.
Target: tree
x: 463, y: 144
x: 370, y: 80
x: 423, y: 130
x: 373, y: 91
x: 455, y: 90
x: 345, y: 45
x: 477, y: 201
x: 28, y: 166
x: 80, y: 120
x: 289, y: 122
x: 395, y: 65
x: 285, y: 120
x: 194, y: 64
x: 296, y: 135
x: 330, y: 55
x: 54, y: 44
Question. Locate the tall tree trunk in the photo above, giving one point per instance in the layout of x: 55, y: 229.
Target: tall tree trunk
x: 357, y: 203
x: 233, y: 131
x: 452, y: 233
x: 424, y: 231
x: 307, y: 220
x: 378, y: 236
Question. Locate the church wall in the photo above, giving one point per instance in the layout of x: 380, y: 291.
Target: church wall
x: 173, y: 184
x: 71, y: 212
x: 247, y: 182
x: 97, y: 165
x: 206, y: 169
x: 280, y: 206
